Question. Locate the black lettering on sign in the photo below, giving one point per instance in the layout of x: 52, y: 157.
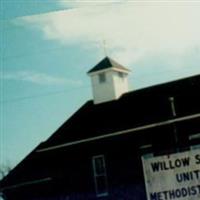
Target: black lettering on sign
x: 188, y: 176
x: 170, y: 164
x: 179, y: 193
x: 154, y: 196
x: 155, y: 166
x: 186, y: 161
x: 197, y: 158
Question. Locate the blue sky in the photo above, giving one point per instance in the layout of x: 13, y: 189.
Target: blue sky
x: 48, y: 46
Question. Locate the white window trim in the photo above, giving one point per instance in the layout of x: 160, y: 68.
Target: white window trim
x: 146, y: 146
x: 194, y: 137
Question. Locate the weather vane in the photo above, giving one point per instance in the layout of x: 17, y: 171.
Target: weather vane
x: 104, y: 47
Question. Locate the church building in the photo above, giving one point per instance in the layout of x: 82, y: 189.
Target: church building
x: 121, y: 145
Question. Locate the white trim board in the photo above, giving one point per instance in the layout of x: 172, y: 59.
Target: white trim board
x: 140, y: 128
x: 28, y: 183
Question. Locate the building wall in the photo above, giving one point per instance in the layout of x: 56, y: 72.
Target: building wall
x: 120, y: 83
x: 73, y: 178
x: 71, y: 167
x: 103, y: 91
x: 113, y: 87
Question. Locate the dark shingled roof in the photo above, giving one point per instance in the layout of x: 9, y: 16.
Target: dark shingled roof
x: 105, y: 64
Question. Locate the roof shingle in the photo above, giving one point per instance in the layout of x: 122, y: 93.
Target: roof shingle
x: 105, y: 64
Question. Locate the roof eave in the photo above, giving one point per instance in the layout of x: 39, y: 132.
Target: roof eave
x: 126, y: 71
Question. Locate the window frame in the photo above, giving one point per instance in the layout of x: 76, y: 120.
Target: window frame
x: 194, y: 141
x: 121, y: 75
x: 97, y: 176
x: 102, y: 77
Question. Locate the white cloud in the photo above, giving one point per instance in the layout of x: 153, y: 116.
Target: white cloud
x: 132, y: 31
x: 85, y: 3
x: 38, y: 78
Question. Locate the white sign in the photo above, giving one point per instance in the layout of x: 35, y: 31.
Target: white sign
x: 173, y: 177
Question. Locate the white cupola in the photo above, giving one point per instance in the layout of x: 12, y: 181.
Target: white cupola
x: 109, y: 80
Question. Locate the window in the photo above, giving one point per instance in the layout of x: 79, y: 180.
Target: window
x: 121, y: 75
x: 146, y: 151
x: 194, y: 141
x: 100, y: 176
x: 102, y: 78
x: 196, y: 146
x: 194, y: 136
